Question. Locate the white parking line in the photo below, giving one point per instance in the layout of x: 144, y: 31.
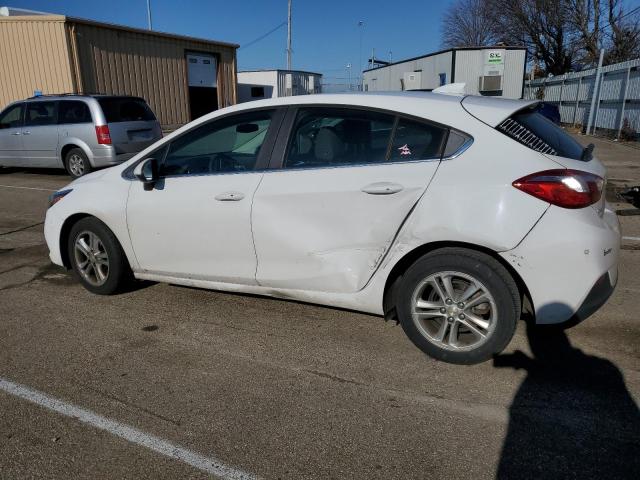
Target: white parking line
x: 206, y: 464
x: 29, y: 188
x: 637, y: 239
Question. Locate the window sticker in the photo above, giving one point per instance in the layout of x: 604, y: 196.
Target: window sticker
x: 404, y: 150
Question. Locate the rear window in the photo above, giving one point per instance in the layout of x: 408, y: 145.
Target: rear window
x: 125, y: 109
x: 540, y: 134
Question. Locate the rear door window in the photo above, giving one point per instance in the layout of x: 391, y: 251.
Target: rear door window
x: 125, y: 109
x: 12, y: 117
x: 416, y: 141
x: 539, y: 133
x: 73, y: 111
x: 40, y: 114
x: 324, y: 137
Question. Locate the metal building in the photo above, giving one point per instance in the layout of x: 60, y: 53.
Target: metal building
x: 258, y: 84
x: 493, y: 71
x: 180, y: 77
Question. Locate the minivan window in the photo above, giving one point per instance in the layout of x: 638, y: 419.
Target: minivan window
x: 416, y: 141
x: 40, y: 114
x: 539, y: 133
x: 221, y: 146
x: 11, y: 117
x: 338, y: 136
x: 125, y: 109
x: 73, y: 111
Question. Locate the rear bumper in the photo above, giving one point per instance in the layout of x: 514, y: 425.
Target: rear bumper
x: 597, y: 296
x: 569, y: 263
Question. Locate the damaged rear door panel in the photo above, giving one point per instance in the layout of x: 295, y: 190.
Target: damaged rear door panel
x: 348, y: 180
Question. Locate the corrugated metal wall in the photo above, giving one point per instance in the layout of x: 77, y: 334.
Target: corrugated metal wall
x: 572, y: 92
x: 386, y: 79
x: 33, y: 56
x: 469, y: 67
x: 153, y: 66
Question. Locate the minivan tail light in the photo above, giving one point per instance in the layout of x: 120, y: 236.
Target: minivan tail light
x: 564, y: 188
x: 103, y: 134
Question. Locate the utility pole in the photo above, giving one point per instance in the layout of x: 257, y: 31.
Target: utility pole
x: 360, y: 28
x: 149, y: 14
x: 289, y: 38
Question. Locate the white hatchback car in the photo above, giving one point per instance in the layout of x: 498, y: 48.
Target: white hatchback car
x: 450, y: 214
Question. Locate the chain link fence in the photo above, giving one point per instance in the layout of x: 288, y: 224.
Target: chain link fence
x: 617, y: 99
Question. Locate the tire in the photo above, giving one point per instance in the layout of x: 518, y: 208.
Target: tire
x: 106, y: 270
x: 453, y: 331
x: 76, y: 163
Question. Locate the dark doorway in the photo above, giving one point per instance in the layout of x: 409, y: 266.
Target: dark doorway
x: 202, y: 100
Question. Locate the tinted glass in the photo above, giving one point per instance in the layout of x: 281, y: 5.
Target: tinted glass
x: 11, y: 117
x: 416, y: 141
x: 333, y: 137
x: 223, y: 146
x: 125, y: 109
x: 551, y: 134
x: 73, y: 112
x: 40, y: 113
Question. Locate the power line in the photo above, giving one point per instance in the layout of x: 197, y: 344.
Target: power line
x: 262, y: 37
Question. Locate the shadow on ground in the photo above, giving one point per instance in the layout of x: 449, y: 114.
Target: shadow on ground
x: 572, y: 417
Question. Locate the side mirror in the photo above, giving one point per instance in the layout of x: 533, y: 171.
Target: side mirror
x: 147, y: 172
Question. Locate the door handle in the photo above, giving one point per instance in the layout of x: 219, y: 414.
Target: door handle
x: 382, y: 188
x: 230, y: 196
x: 26, y: 133
x: 16, y: 133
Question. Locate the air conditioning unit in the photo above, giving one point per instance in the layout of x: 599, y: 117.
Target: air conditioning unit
x: 490, y: 83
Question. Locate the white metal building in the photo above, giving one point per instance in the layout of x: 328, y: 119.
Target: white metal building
x: 258, y: 84
x: 492, y: 71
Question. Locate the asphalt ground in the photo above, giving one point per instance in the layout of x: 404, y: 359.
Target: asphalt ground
x: 174, y: 382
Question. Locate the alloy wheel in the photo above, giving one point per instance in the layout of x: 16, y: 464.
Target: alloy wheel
x: 76, y: 165
x: 91, y: 258
x: 454, y: 310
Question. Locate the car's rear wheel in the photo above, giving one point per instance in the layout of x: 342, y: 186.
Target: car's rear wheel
x: 77, y: 163
x: 458, y: 305
x: 97, y: 258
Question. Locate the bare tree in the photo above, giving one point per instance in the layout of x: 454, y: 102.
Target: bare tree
x: 560, y: 35
x: 623, y: 41
x: 468, y: 23
x: 584, y: 18
x: 541, y: 25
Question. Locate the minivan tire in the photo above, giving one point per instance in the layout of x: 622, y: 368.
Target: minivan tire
x: 117, y: 274
x: 458, y: 264
x: 77, y: 163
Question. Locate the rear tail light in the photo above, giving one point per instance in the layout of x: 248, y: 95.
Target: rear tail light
x: 103, y: 134
x: 564, y: 188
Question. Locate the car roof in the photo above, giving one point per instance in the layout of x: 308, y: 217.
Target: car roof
x: 439, y: 107
x: 75, y: 96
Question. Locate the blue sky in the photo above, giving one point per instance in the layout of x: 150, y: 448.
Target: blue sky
x: 326, y: 35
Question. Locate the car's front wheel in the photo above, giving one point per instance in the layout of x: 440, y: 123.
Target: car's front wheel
x: 97, y: 258
x: 458, y: 305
